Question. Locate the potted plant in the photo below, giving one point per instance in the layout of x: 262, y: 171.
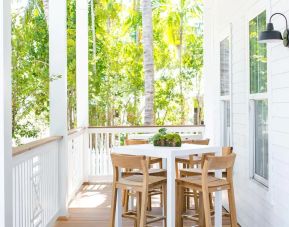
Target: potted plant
x: 162, y: 138
x: 173, y: 140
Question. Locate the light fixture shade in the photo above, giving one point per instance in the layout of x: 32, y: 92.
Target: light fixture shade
x: 270, y: 35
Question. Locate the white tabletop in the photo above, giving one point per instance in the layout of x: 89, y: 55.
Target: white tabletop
x: 165, y: 152
x: 170, y: 153
x: 147, y: 136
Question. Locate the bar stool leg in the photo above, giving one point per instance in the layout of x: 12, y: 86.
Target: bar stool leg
x: 179, y: 205
x: 196, y: 201
x: 232, y: 206
x: 138, y: 208
x: 207, y: 210
x: 201, y: 211
x: 149, y: 208
x: 144, y: 198
x: 113, y: 206
x: 164, y: 202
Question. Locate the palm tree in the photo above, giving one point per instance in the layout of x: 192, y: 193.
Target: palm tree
x: 148, y: 61
x: 93, y: 34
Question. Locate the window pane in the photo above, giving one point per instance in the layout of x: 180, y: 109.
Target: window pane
x: 225, y: 66
x: 261, y: 138
x: 227, y: 124
x: 258, y: 56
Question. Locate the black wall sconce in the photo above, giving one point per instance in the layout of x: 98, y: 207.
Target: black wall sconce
x: 270, y: 35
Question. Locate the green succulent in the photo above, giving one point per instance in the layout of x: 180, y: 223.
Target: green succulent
x: 173, y: 139
x: 163, y: 131
x: 162, y: 138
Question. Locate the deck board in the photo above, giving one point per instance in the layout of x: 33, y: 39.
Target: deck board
x: 91, y: 208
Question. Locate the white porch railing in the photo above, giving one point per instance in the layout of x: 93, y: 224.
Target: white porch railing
x: 75, y: 161
x: 36, y: 167
x: 35, y: 183
x: 102, y: 139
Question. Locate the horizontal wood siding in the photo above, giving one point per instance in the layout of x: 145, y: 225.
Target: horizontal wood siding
x: 256, y: 205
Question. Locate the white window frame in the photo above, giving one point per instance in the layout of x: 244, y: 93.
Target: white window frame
x: 251, y: 102
x: 223, y: 98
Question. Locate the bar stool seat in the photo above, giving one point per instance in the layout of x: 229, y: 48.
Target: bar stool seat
x: 214, y: 184
x: 137, y: 180
x: 152, y: 172
x: 194, y: 172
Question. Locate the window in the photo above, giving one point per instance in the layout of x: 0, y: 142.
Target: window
x: 258, y: 100
x: 226, y: 123
x: 225, y: 67
x: 225, y: 91
x: 261, y: 138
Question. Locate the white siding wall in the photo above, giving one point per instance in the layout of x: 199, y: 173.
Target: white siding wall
x: 257, y: 206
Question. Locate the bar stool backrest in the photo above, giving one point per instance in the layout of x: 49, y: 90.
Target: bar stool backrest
x: 227, y: 151
x: 136, y: 162
x: 135, y: 142
x: 219, y: 162
x: 199, y: 142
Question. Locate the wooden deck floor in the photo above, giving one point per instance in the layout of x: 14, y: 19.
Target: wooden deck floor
x: 91, y: 208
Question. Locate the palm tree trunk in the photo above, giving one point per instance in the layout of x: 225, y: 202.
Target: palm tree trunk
x: 180, y: 72
x: 148, y: 62
x: 93, y: 35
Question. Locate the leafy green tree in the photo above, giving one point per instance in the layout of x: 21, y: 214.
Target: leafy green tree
x: 117, y: 42
x: 71, y: 64
x: 30, y: 72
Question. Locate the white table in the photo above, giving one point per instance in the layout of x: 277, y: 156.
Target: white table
x: 170, y: 153
x: 147, y: 136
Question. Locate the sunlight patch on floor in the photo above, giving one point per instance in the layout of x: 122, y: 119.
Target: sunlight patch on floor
x: 91, y: 196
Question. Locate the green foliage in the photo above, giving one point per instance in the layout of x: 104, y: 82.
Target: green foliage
x: 116, y: 78
x: 30, y: 72
x: 116, y: 87
x: 258, y: 55
x: 162, y: 138
x: 71, y: 63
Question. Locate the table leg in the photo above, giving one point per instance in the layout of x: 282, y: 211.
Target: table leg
x: 218, y: 200
x: 218, y: 209
x: 171, y: 192
x: 164, y: 163
x: 118, y: 219
x: 131, y: 202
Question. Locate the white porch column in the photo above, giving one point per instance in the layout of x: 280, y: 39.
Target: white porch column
x: 58, y: 91
x: 82, y: 62
x: 6, y: 211
x: 82, y: 75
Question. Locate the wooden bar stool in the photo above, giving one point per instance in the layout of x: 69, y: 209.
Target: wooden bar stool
x: 152, y: 171
x: 186, y: 172
x: 186, y: 161
x: 191, y: 161
x: 206, y: 184
x: 140, y: 184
